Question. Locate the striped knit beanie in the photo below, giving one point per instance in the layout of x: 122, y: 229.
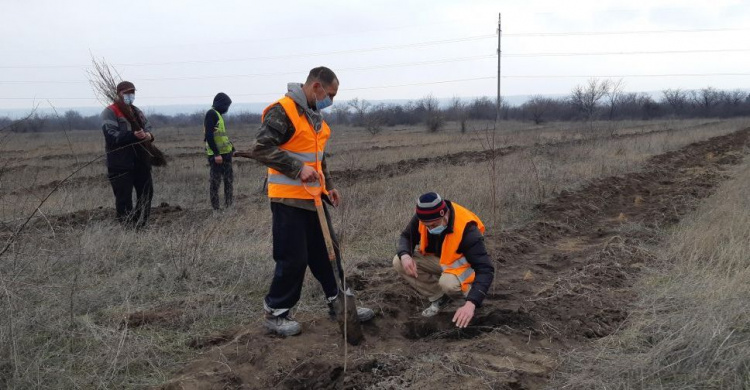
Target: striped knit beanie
x: 430, y: 206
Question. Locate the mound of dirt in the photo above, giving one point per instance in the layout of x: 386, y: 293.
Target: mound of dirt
x: 160, y: 214
x: 561, y: 280
x: 85, y: 181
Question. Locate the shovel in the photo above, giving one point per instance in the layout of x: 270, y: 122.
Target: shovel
x: 346, y: 308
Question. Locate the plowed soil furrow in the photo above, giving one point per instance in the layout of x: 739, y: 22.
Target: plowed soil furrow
x: 350, y: 176
x: 406, y: 166
x: 561, y: 280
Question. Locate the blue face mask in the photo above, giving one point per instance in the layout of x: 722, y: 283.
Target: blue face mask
x: 128, y: 98
x: 438, y: 229
x: 325, y: 103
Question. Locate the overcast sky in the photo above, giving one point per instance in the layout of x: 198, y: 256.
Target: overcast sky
x: 183, y: 52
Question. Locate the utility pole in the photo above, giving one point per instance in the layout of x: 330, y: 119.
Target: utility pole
x: 499, y: 34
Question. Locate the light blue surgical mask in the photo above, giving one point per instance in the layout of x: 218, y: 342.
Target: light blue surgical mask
x: 437, y: 229
x: 128, y: 98
x: 325, y: 103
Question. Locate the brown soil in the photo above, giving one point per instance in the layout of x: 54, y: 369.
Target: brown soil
x: 561, y: 280
x: 403, y: 167
x: 162, y: 214
x: 88, y: 181
x: 169, y: 317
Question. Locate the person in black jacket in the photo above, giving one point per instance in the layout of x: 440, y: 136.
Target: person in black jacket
x: 128, y: 163
x: 219, y: 150
x: 451, y: 261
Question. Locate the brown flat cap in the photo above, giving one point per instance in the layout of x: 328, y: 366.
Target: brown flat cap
x: 125, y: 86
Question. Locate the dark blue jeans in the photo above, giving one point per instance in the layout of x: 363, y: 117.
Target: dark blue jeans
x: 297, y: 244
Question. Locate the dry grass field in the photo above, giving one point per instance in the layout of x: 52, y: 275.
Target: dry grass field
x: 581, y: 218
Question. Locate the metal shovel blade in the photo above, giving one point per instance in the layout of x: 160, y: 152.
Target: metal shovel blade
x: 348, y: 320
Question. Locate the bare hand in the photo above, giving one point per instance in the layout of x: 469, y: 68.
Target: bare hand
x: 409, y: 265
x: 335, y: 197
x: 464, y: 315
x: 218, y: 159
x: 140, y: 134
x: 308, y: 174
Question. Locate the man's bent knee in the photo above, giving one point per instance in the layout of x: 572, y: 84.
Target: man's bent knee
x: 450, y: 284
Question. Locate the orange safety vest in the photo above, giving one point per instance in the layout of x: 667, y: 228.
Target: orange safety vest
x: 306, y: 145
x: 451, y: 261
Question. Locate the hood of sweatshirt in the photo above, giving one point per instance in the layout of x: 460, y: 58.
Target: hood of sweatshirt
x: 294, y: 91
x: 222, y: 103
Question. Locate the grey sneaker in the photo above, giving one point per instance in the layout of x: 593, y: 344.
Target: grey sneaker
x: 435, y: 306
x: 364, y: 314
x: 282, y: 325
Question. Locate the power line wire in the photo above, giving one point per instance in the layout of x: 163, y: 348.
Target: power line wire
x: 276, y: 57
x: 297, y: 37
x: 627, y: 75
x: 270, y: 93
x: 421, y: 83
x: 625, y: 32
x: 612, y: 53
x: 383, y: 66
x: 391, y: 47
x: 405, y: 64
x: 276, y: 38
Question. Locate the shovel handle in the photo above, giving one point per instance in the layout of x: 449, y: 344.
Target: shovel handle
x: 326, y: 232
x: 316, y: 193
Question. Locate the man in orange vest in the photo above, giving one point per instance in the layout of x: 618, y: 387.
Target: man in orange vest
x: 451, y: 262
x: 291, y: 143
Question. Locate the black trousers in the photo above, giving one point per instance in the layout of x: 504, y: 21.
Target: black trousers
x: 218, y: 173
x: 123, y: 182
x: 297, y: 244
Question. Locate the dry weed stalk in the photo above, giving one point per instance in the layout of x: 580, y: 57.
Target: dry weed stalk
x: 104, y: 79
x: 489, y: 145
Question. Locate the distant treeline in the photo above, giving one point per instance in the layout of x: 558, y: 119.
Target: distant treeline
x: 72, y: 120
x: 593, y: 100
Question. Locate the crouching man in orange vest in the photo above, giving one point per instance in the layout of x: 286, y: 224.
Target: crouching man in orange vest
x: 451, y: 262
x: 291, y: 142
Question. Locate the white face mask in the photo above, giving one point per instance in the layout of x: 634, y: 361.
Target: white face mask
x: 128, y: 98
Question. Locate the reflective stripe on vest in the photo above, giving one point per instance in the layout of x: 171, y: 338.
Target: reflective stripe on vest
x: 280, y: 178
x: 305, y: 157
x: 306, y: 145
x: 220, y: 138
x: 458, y: 263
x: 466, y: 277
x: 451, y: 261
